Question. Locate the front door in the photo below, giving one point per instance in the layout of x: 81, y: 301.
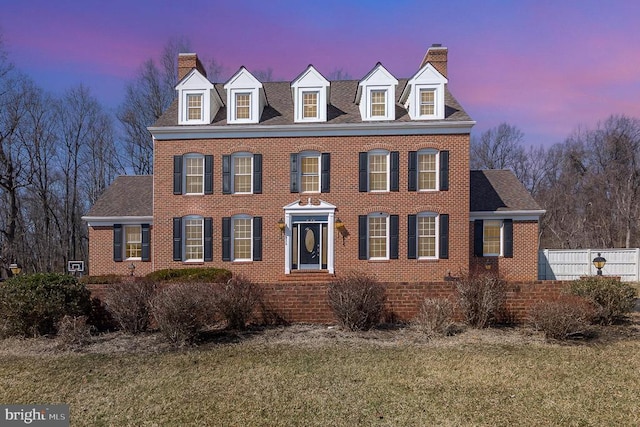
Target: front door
x: 310, y: 245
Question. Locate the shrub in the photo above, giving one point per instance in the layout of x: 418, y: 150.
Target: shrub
x: 565, y: 318
x: 435, y: 317
x: 74, y: 332
x: 34, y: 304
x: 190, y: 275
x: 182, y: 310
x: 481, y: 297
x: 130, y: 305
x: 105, y: 279
x: 357, y: 300
x: 237, y: 300
x: 612, y: 298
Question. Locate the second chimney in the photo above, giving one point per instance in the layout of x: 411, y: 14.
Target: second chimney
x: 188, y: 61
x: 437, y: 56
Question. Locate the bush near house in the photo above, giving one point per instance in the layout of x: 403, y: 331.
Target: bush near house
x: 612, y: 299
x: 435, y: 317
x: 567, y: 317
x: 237, y: 300
x: 357, y: 300
x: 191, y: 275
x: 481, y: 296
x: 33, y: 304
x: 130, y: 304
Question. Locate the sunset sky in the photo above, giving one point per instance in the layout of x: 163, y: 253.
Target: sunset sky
x: 546, y: 67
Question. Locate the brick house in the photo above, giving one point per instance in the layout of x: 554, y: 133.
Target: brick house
x: 303, y: 180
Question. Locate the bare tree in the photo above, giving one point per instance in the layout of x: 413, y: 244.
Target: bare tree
x: 498, y: 148
x: 339, y: 74
x: 265, y: 75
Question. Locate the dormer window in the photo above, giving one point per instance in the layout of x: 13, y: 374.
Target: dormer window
x: 378, y: 103
x: 198, y: 102
x: 376, y: 95
x: 310, y: 105
x: 310, y: 93
x: 243, y: 106
x: 427, y: 102
x: 194, y: 106
x: 423, y: 96
x: 245, y: 98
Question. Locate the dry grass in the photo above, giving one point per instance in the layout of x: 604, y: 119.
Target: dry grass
x: 315, y: 376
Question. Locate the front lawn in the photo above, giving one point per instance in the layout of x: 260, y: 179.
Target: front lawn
x: 313, y: 376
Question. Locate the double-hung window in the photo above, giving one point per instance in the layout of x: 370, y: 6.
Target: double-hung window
x: 194, y: 174
x: 133, y: 242
x: 378, y: 171
x: 310, y: 105
x: 194, y: 106
x: 493, y: 237
x: 310, y: 172
x: 428, y: 170
x: 242, y: 173
x: 378, y: 236
x: 243, y: 106
x: 378, y: 103
x: 193, y: 239
x: 428, y: 236
x: 427, y: 102
x: 242, y: 238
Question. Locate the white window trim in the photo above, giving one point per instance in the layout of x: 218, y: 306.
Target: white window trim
x: 387, y: 237
x: 378, y: 153
x: 184, y: 174
x: 484, y: 224
x: 438, y: 99
x: 184, y: 111
x: 437, y: 185
x: 308, y: 154
x: 233, y: 238
x: 184, y: 238
x: 234, y: 106
x: 389, y: 103
x: 437, y: 234
x: 234, y: 157
x: 124, y: 239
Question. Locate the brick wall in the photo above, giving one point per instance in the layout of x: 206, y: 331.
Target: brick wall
x: 523, y: 265
x: 307, y: 302
x: 344, y: 194
x: 101, y: 255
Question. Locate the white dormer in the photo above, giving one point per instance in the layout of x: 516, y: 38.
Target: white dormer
x: 198, y: 102
x: 423, y: 96
x: 310, y: 92
x: 377, y: 95
x: 245, y: 98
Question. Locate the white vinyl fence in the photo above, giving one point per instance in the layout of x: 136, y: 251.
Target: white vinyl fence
x: 571, y: 264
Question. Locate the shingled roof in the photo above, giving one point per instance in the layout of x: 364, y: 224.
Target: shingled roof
x: 341, y: 109
x: 128, y: 195
x: 499, y: 190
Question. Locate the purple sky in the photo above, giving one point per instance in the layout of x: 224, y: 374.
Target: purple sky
x: 546, y: 67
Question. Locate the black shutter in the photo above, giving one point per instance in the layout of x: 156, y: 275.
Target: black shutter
x: 146, y: 240
x: 208, y: 174
x: 444, y: 170
x: 444, y: 236
x: 413, y: 171
x: 478, y: 237
x: 177, y: 239
x: 257, y: 238
x: 177, y: 174
x: 362, y: 172
x: 117, y: 242
x: 226, y: 174
x: 394, y: 171
x: 393, y: 236
x: 257, y: 174
x: 208, y: 239
x: 294, y: 178
x: 325, y: 175
x: 507, y: 231
x: 412, y: 228
x: 226, y: 239
x: 362, y: 237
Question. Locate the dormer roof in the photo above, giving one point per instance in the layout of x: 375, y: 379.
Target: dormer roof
x: 378, y: 75
x: 429, y: 79
x: 244, y: 87
x: 310, y: 92
x: 195, y: 84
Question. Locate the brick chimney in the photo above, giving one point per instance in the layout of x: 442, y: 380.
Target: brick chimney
x: 188, y: 61
x: 437, y: 56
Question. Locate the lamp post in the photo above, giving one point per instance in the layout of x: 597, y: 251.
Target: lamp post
x: 15, y: 268
x: 599, y: 263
